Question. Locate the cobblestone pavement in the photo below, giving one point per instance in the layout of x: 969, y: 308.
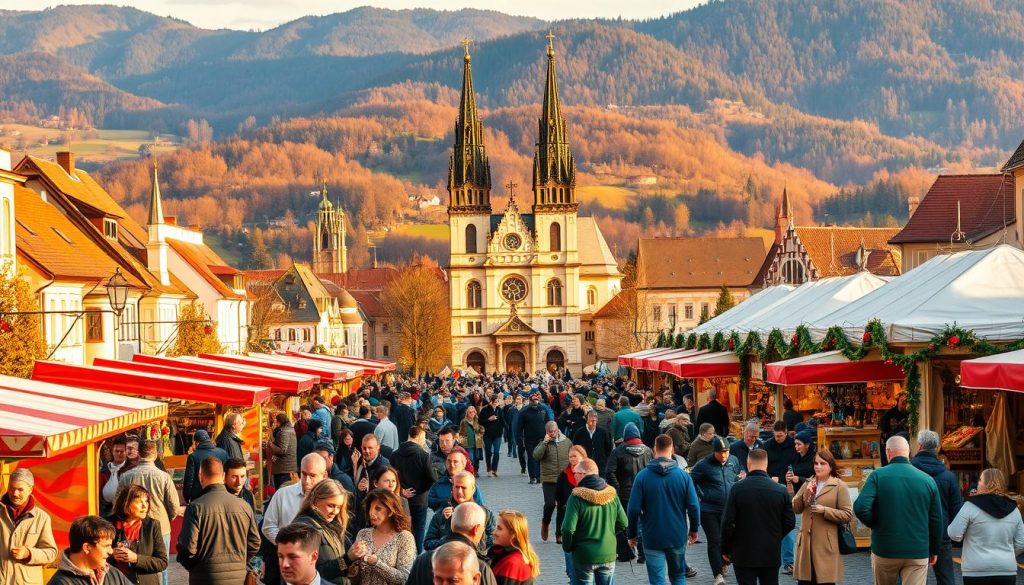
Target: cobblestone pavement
x: 512, y: 490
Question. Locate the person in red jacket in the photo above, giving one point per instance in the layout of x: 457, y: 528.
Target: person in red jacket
x: 513, y: 560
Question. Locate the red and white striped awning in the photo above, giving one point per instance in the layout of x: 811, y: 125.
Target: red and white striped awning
x: 831, y: 367
x: 213, y: 371
x: 328, y: 372
x: 719, y: 364
x: 367, y: 365
x: 1004, y: 371
x: 38, y: 419
x: 636, y: 359
x: 660, y: 362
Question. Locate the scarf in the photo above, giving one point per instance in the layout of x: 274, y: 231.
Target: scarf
x: 17, y: 512
x: 330, y: 532
x: 571, y: 476
x: 593, y: 482
x: 633, y: 442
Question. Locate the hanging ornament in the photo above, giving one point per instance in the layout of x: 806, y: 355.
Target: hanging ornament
x: 954, y: 341
x: 5, y: 326
x: 867, y: 337
x: 732, y: 344
x: 889, y: 362
x: 796, y: 339
x: 208, y: 330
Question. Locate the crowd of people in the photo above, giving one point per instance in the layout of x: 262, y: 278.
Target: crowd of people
x: 381, y: 488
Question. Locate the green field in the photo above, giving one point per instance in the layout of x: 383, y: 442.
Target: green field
x: 607, y: 195
x: 432, y: 231
x: 108, y: 145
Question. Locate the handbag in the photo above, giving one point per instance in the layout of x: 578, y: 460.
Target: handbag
x: 847, y: 543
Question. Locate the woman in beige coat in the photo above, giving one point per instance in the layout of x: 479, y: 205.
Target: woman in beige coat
x: 824, y: 503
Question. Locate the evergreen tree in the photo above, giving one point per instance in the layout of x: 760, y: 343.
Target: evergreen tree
x: 258, y: 257
x: 21, y: 338
x: 725, y: 301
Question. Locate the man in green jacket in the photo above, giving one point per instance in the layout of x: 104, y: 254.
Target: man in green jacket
x: 623, y: 417
x: 593, y: 515
x: 901, y: 505
x: 553, y: 455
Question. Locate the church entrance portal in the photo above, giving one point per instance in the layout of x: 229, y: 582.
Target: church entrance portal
x: 555, y: 360
x: 515, y: 362
x: 476, y: 361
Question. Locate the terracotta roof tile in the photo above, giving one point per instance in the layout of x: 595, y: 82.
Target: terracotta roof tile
x: 617, y: 306
x: 362, y: 278
x: 698, y: 262
x: 986, y: 206
x: 833, y: 249
x: 369, y: 302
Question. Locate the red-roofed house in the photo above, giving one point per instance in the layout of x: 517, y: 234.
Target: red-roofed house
x: 961, y: 211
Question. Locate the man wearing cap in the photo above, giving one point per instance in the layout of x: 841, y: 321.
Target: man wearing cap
x: 714, y: 477
x: 325, y: 449
x: 26, y: 537
x: 204, y: 447
x: 530, y: 425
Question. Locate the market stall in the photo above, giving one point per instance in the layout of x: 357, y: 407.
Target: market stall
x: 54, y: 431
x: 1004, y: 374
x: 334, y: 378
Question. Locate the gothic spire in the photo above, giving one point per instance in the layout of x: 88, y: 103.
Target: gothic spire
x: 554, y: 169
x: 325, y: 201
x: 156, y: 208
x: 469, y: 173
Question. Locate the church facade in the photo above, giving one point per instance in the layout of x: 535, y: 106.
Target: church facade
x: 523, y: 285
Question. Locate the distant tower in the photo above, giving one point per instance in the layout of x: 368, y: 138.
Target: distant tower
x: 783, y: 217
x: 329, y: 252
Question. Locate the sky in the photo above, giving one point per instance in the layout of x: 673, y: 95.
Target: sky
x: 266, y: 14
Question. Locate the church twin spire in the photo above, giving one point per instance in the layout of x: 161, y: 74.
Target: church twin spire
x: 554, y: 169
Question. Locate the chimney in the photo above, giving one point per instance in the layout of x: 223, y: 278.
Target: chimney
x: 912, y: 203
x: 66, y: 160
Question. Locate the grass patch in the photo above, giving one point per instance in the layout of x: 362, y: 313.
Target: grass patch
x: 104, y: 146
x: 607, y: 195
x: 433, y: 231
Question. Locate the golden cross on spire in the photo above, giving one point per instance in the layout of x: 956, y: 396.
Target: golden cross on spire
x: 551, y: 47
x: 466, y: 41
x: 511, y: 186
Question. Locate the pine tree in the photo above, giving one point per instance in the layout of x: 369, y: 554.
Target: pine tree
x: 725, y: 301
x: 196, y: 333
x: 21, y: 337
x: 258, y: 255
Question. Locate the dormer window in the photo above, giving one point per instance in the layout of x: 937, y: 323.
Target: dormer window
x: 110, y: 228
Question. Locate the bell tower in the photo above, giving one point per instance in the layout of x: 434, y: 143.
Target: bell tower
x: 329, y: 252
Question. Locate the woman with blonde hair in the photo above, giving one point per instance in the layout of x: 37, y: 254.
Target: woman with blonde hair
x: 473, y: 432
x: 991, y: 528
x: 512, y: 558
x: 325, y: 508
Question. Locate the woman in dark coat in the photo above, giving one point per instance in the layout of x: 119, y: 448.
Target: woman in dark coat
x: 139, y: 550
x: 325, y: 508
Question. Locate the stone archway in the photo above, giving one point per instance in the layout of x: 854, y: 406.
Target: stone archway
x: 515, y: 362
x: 477, y: 361
x: 555, y: 360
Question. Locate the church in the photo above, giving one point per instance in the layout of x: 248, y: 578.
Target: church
x: 524, y: 286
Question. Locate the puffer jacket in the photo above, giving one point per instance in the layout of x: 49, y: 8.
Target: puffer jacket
x: 714, y: 481
x: 218, y: 537
x: 231, y: 443
x: 553, y: 457
x: 623, y: 464
x: 949, y: 488
x: 33, y: 531
x: 284, y: 448
x: 680, y: 439
x: 191, y: 488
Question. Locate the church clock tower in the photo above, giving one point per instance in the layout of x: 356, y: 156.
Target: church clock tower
x: 329, y: 252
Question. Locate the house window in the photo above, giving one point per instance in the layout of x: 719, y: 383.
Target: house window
x: 672, y: 313
x: 591, y: 296
x: 554, y: 293
x: 277, y: 335
x: 475, y: 327
x: 93, y: 326
x: 291, y: 334
x: 705, y: 310
x: 793, y: 272
x: 688, y: 311
x: 474, y: 295
x: 306, y: 335
x: 556, y: 237
x: 471, y: 239
x: 386, y: 352
x: 657, y: 314
x: 588, y: 336
x: 110, y: 228
x: 554, y: 325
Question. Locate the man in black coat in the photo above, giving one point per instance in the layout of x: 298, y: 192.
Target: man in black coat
x: 781, y: 449
x: 361, y: 427
x: 191, y: 488
x: 218, y: 535
x: 230, y: 438
x: 416, y: 474
x: 403, y: 416
x: 531, y: 422
x: 927, y: 460
x: 715, y: 413
x: 758, y: 515
x: 595, y: 440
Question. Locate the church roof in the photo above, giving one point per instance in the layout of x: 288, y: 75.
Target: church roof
x: 594, y: 254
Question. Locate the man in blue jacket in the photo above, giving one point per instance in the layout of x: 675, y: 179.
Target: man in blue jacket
x: 663, y: 505
x: 714, y: 477
x: 927, y: 460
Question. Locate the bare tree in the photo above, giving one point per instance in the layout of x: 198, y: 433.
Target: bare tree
x: 267, y: 309
x: 625, y: 325
x: 416, y: 303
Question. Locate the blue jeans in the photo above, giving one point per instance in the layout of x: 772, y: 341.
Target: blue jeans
x: 599, y: 574
x: 511, y: 444
x: 532, y: 465
x: 569, y: 567
x: 419, y: 525
x: 167, y: 547
x: 476, y: 454
x: 492, y: 452
x: 670, y: 560
x: 789, y: 544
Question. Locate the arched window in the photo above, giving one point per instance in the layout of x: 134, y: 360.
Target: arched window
x: 554, y: 293
x: 471, y: 239
x: 591, y: 296
x: 474, y: 295
x: 556, y: 237
x: 793, y: 272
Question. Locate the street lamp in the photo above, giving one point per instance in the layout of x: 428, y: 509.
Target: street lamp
x: 117, y: 292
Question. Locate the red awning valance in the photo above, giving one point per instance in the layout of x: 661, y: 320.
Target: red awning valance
x: 832, y: 367
x: 276, y: 380
x: 1004, y: 371
x: 367, y: 365
x: 659, y: 362
x: 636, y: 360
x: 719, y: 364
x: 148, y: 384
x: 43, y: 420
x: 327, y: 372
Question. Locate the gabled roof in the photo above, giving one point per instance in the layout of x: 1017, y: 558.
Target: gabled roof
x: 669, y: 263
x: 833, y: 250
x: 618, y: 306
x: 303, y: 293
x: 515, y: 326
x: 594, y: 254
x: 207, y: 264
x: 986, y: 206
x: 369, y: 302
x: 50, y: 241
x: 1015, y: 161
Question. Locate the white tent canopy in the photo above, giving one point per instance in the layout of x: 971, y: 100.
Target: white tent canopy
x: 978, y: 290
x: 752, y: 305
x: 808, y: 302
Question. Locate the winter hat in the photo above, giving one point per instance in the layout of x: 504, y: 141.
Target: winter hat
x: 805, y: 436
x: 324, y: 445
x: 631, y: 432
x: 22, y: 474
x: 719, y: 444
x: 201, y: 435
